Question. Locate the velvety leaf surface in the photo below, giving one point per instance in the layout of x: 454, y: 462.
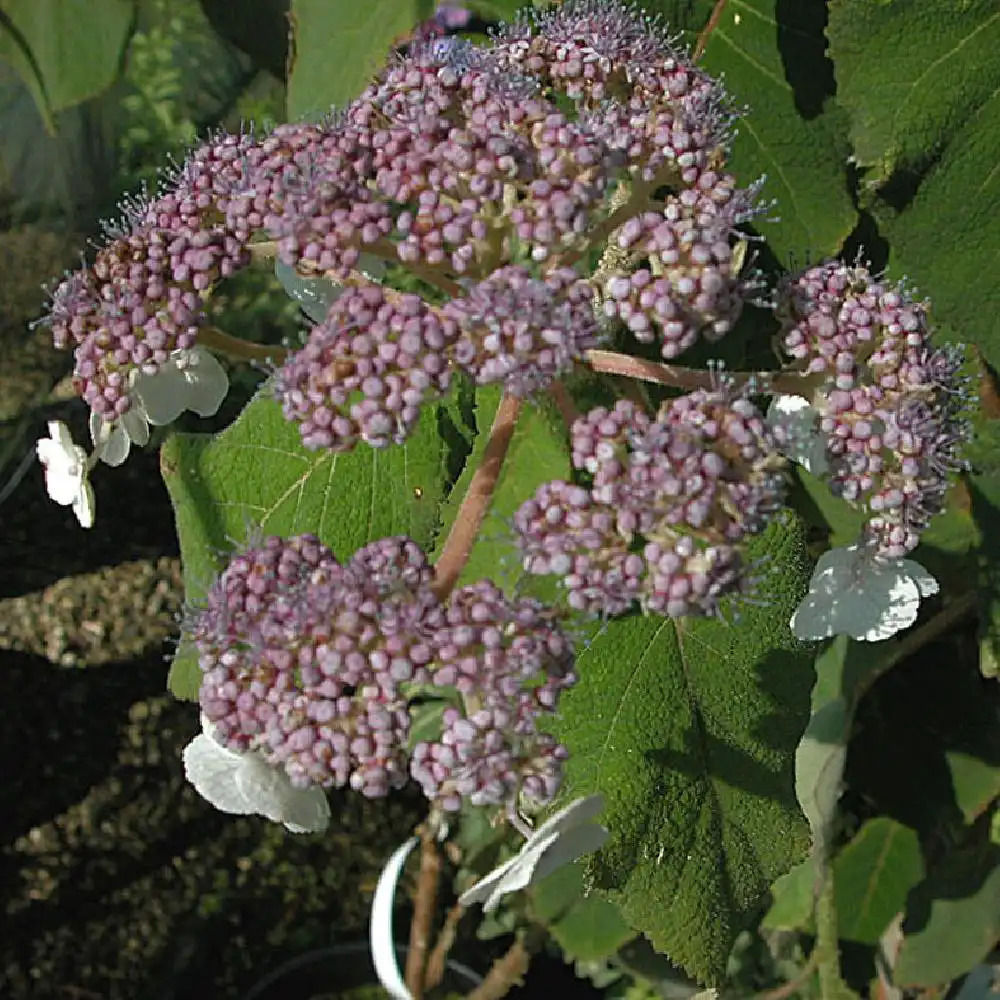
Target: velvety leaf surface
x: 339, y: 45
x: 256, y: 475
x: 772, y: 55
x: 871, y: 877
x: 911, y: 73
x: 689, y: 731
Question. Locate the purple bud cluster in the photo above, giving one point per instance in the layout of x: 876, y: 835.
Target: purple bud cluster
x: 690, y: 285
x: 367, y: 369
x: 490, y: 172
x: 892, y: 405
x: 669, y: 504
x: 524, y: 331
x: 310, y: 662
x: 510, y: 661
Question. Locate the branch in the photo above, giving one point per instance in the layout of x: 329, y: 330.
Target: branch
x: 506, y: 972
x: 706, y: 32
x: 437, y: 963
x: 242, y: 350
x: 476, y: 502
x: 611, y: 363
x: 423, y: 913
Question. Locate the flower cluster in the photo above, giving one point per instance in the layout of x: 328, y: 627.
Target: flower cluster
x: 889, y: 408
x: 307, y: 663
x: 670, y: 501
x: 490, y: 173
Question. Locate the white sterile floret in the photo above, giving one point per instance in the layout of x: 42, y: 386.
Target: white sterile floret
x: 562, y: 838
x: 190, y: 380
x: 67, y: 468
x: 795, y: 425
x: 245, y: 784
x: 852, y: 594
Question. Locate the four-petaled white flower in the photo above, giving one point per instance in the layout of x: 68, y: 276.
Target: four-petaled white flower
x: 245, y: 784
x: 67, y: 468
x: 852, y: 594
x: 562, y: 838
x: 795, y: 425
x: 190, y: 380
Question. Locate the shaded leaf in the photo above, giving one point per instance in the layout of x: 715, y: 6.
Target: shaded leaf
x: 952, y: 921
x: 976, y: 783
x: 871, y: 877
x: 910, y: 73
x: 804, y: 158
x: 688, y: 730
x: 587, y: 926
x: 339, y: 45
x: 257, y: 475
x: 794, y: 899
x: 76, y: 46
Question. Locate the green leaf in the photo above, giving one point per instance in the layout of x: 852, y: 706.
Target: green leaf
x: 76, y: 47
x: 952, y: 921
x: 976, y: 783
x: 587, y: 926
x: 794, y: 899
x: 911, y: 73
x: 921, y: 83
x: 688, y: 729
x: 871, y: 877
x: 339, y: 45
x: 791, y: 134
x: 257, y: 475
x: 822, y: 752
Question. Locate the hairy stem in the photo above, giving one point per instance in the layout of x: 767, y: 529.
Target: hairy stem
x: 423, y: 913
x: 476, y: 502
x: 612, y: 363
x: 242, y: 350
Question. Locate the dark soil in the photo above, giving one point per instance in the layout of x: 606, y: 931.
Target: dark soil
x: 118, y: 880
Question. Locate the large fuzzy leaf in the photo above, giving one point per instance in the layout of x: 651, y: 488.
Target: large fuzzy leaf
x: 689, y: 730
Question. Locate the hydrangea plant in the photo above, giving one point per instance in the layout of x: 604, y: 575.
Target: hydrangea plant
x: 580, y: 565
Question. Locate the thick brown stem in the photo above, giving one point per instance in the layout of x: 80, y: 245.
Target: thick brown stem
x: 506, y: 972
x: 710, y: 26
x: 242, y: 350
x: 437, y: 963
x: 423, y: 913
x: 611, y: 363
x: 465, y: 530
